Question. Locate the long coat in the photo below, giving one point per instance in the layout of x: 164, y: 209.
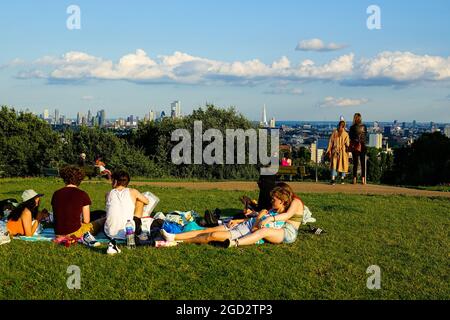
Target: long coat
x: 337, y: 148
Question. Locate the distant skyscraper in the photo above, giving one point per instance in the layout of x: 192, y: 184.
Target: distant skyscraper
x: 46, y: 114
x: 175, y: 108
x: 152, y: 115
x: 376, y: 140
x: 56, y: 120
x: 79, y: 118
x: 263, y: 122
x: 272, y: 123
x: 163, y: 114
x: 101, y: 118
x: 89, y: 118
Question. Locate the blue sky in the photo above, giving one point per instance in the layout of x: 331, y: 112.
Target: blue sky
x: 231, y: 53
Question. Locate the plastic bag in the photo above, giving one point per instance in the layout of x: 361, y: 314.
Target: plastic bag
x: 172, y: 227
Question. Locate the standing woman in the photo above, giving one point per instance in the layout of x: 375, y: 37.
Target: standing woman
x: 358, y: 136
x: 24, y: 220
x: 337, y: 152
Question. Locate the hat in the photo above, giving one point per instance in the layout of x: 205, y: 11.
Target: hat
x: 30, y: 194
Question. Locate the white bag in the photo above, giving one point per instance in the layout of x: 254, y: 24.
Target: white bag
x: 4, y: 234
x: 307, y: 216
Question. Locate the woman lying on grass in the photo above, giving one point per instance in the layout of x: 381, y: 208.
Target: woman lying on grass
x: 281, y: 201
x: 287, y: 234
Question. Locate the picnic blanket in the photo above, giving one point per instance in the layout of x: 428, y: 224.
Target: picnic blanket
x: 49, y: 235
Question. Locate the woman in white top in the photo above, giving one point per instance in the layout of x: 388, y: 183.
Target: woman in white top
x: 123, y: 204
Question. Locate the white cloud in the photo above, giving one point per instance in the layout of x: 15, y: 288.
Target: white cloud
x: 318, y: 45
x: 342, y: 102
x: 405, y: 67
x: 386, y: 68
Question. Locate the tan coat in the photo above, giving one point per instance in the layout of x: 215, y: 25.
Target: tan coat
x: 337, y: 150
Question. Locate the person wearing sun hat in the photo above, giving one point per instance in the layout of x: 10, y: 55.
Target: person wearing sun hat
x: 25, y: 219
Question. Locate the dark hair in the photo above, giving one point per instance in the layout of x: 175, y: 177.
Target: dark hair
x: 72, y: 175
x: 30, y: 205
x: 357, y: 119
x: 122, y: 177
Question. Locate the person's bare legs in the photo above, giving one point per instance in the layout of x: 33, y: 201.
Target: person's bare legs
x: 139, y: 209
x: 192, y: 234
x: 269, y: 234
x: 208, y: 237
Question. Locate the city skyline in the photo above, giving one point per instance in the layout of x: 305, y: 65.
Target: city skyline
x: 304, y: 61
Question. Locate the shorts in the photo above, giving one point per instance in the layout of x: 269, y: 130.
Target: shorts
x: 290, y: 233
x: 93, y: 227
x: 242, y: 229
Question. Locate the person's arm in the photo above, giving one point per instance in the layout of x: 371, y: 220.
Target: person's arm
x: 295, y: 207
x: 233, y: 223
x: 27, y: 223
x: 140, y: 197
x: 86, y: 214
x: 330, y: 144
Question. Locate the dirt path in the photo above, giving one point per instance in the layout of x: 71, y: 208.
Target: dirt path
x: 300, y: 187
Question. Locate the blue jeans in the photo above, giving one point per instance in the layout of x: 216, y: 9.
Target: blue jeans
x: 334, y: 174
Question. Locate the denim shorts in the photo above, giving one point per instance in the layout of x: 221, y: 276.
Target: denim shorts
x: 290, y: 233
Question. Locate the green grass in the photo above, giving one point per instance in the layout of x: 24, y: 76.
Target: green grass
x: 408, y: 237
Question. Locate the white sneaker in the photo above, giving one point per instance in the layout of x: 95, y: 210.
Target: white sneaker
x: 168, y: 236
x: 113, y: 248
x: 89, y: 240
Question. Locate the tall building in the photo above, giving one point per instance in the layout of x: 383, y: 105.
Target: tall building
x: 56, y: 120
x: 175, y: 108
x: 152, y: 115
x: 376, y: 140
x: 46, y: 114
x: 263, y: 122
x: 101, y: 118
x: 79, y: 117
x: 89, y: 118
x: 273, y: 123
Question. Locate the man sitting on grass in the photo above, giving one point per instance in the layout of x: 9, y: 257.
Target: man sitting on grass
x: 123, y: 204
x: 71, y: 209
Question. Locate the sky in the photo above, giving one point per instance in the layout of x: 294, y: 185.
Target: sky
x: 305, y: 60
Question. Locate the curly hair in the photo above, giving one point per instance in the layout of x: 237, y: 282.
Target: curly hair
x: 72, y: 175
x: 283, y: 194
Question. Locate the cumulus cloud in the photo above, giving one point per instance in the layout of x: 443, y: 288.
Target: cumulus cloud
x: 385, y: 69
x: 405, y: 67
x: 342, y: 102
x: 318, y: 45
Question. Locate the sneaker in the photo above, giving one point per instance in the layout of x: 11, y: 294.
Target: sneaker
x: 89, y: 240
x: 113, y: 248
x: 168, y: 236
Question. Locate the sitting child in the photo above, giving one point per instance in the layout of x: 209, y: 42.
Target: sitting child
x: 236, y: 229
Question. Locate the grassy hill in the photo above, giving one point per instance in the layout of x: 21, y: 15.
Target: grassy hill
x: 407, y: 237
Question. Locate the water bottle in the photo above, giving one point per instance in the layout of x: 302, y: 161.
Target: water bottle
x: 129, y: 230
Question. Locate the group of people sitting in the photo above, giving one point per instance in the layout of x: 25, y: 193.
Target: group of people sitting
x: 276, y: 219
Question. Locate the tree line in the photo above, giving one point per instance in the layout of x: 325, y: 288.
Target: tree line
x: 28, y: 145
